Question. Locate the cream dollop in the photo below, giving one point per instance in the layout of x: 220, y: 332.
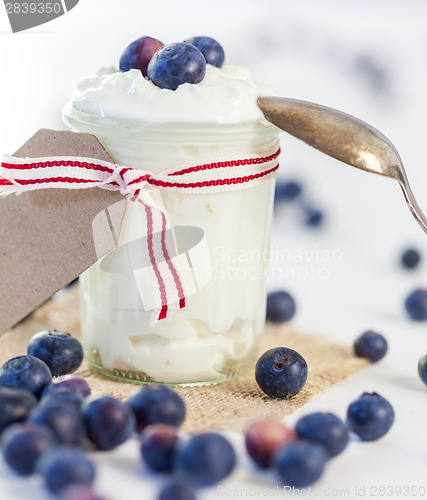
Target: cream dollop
x: 226, y: 95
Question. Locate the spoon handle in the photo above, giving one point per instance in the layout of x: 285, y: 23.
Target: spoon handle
x: 413, y: 206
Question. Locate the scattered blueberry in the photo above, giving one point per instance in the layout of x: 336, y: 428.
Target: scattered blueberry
x: 410, y: 258
x: 137, y: 54
x: 176, y: 64
x: 158, y: 446
x: 280, y: 306
x: 205, y: 459
x: 370, y: 416
x: 65, y: 422
x: 416, y: 304
x: 422, y: 369
x: 313, y: 217
x: 69, y: 382
x: 23, y: 444
x: 210, y: 48
x: 301, y: 464
x: 80, y: 491
x: 157, y: 404
x: 61, y: 351
x: 176, y: 490
x: 287, y: 190
x: 15, y: 405
x: 25, y: 372
x: 265, y: 438
x: 281, y: 372
x: 370, y: 345
x: 109, y: 422
x: 64, y: 397
x: 62, y: 467
x: 324, y: 429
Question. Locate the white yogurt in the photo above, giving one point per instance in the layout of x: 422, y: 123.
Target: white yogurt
x: 145, y: 127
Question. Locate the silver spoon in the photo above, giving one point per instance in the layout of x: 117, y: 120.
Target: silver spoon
x: 343, y: 137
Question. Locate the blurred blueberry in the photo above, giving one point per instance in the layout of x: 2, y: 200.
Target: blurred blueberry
x: 280, y: 306
x: 210, y: 48
x: 15, y: 405
x: 370, y: 345
x: 281, y: 372
x: 157, y: 404
x: 25, y: 372
x: 416, y: 304
x: 158, y: 446
x: 23, y: 444
x: 324, y: 429
x: 205, y: 459
x: 422, y: 369
x: 264, y: 438
x: 62, y: 467
x: 370, y: 416
x: 176, y: 490
x: 109, y: 421
x: 410, y: 258
x: 65, y: 397
x: 61, y: 351
x: 69, y: 382
x: 287, y: 190
x: 313, y: 217
x: 65, y: 422
x: 176, y: 64
x: 372, y: 72
x: 301, y: 464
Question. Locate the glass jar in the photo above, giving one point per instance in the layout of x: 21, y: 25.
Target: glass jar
x: 215, y: 336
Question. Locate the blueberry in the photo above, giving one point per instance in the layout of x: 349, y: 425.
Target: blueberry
x: 301, y: 464
x: 176, y: 64
x: 210, y: 48
x: 324, y: 429
x: 416, y: 304
x: 422, y: 369
x: 62, y: 467
x: 157, y: 404
x: 370, y: 345
x: 137, y: 54
x: 287, y: 190
x: 370, y: 416
x: 65, y: 422
x: 109, y: 422
x: 281, y: 372
x: 205, y: 459
x: 64, y: 397
x: 410, y: 258
x: 69, y: 382
x: 176, y: 490
x: 265, y: 438
x: 61, y: 351
x: 25, y: 372
x: 23, y: 444
x: 313, y: 217
x: 80, y: 491
x: 280, y: 306
x: 158, y: 446
x: 15, y: 405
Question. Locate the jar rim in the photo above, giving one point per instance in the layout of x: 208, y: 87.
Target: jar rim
x: 88, y: 122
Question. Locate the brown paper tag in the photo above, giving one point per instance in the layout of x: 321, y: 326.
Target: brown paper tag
x: 47, y: 236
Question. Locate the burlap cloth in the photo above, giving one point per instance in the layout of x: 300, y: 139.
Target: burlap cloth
x: 232, y: 405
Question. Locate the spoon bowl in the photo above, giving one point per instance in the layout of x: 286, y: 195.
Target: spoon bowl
x: 343, y: 137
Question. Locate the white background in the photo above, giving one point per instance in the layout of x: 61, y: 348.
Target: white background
x: 345, y: 276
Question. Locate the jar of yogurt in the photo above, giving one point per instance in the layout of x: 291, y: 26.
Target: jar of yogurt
x: 215, y: 336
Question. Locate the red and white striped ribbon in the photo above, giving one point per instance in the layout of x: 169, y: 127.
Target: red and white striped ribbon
x: 18, y: 175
